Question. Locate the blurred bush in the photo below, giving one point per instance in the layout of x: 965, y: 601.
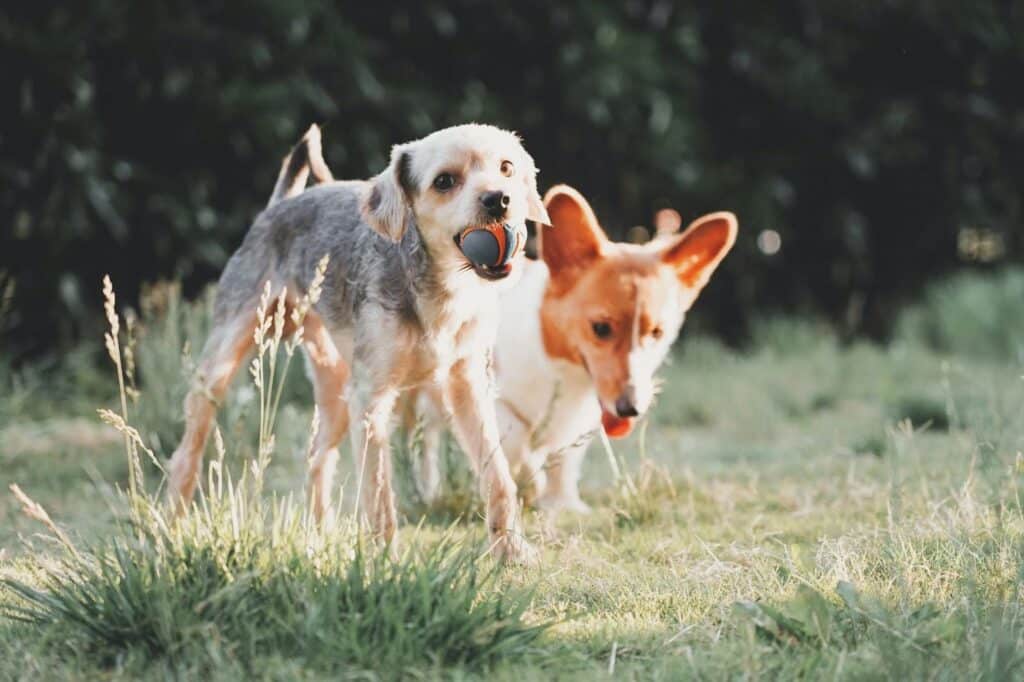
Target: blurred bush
x: 791, y: 336
x: 859, y: 141
x: 972, y: 314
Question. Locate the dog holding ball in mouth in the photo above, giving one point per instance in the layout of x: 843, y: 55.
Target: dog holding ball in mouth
x: 490, y: 249
x: 417, y: 257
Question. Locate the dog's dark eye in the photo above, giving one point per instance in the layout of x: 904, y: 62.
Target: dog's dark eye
x: 602, y: 330
x: 444, y: 182
x: 656, y: 333
x: 507, y: 169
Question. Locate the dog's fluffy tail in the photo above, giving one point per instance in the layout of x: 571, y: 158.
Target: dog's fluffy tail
x: 305, y: 158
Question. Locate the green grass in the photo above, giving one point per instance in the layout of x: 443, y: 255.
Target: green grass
x: 233, y: 585
x: 800, y: 509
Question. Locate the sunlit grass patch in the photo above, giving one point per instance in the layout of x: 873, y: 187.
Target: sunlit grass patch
x: 246, y: 577
x: 233, y: 585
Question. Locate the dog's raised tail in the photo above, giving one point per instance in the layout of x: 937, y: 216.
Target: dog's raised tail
x: 306, y: 157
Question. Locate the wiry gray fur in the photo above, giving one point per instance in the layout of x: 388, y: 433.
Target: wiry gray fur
x: 289, y: 238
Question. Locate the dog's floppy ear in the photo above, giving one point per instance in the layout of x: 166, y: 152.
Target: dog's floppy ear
x: 575, y: 238
x: 388, y: 203
x: 697, y: 252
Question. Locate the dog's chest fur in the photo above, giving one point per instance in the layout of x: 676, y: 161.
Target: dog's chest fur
x: 555, y: 397
x: 460, y: 319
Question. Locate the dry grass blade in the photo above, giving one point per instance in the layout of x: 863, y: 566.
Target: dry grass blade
x: 131, y: 324
x: 36, y: 512
x: 114, y: 419
x: 314, y: 427
x: 312, y: 295
x: 109, y: 307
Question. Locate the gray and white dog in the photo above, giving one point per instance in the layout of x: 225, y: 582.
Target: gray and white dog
x: 401, y: 307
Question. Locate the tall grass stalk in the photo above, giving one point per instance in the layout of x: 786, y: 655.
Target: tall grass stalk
x: 268, y: 336
x: 113, y: 345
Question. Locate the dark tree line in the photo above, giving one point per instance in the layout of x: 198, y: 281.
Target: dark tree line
x: 140, y: 138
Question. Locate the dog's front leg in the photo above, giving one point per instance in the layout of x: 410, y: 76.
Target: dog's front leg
x: 475, y: 424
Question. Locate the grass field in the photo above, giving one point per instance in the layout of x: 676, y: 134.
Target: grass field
x: 797, y: 509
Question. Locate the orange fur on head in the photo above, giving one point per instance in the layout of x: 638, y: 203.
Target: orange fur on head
x: 615, y: 308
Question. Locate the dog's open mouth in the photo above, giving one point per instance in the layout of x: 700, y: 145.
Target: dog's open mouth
x: 616, y: 426
x: 613, y: 425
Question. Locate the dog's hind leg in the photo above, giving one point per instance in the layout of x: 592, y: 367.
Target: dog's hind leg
x: 380, y: 371
x: 226, y: 349
x: 371, y: 451
x: 330, y: 375
x: 428, y: 429
x: 561, y: 491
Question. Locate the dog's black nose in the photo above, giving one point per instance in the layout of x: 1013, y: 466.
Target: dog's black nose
x: 496, y: 203
x: 625, y: 407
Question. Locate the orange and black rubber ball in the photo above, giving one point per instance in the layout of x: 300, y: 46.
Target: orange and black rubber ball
x: 492, y: 246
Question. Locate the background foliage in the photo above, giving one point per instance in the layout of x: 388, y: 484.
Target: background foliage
x: 884, y: 143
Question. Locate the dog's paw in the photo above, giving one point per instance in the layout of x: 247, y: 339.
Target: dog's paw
x: 512, y: 549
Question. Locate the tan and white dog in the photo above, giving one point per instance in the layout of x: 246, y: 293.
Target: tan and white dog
x: 402, y: 307
x: 580, y: 339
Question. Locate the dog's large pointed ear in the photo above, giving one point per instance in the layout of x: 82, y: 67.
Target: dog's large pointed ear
x: 697, y: 252
x: 574, y: 238
x: 387, y: 205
